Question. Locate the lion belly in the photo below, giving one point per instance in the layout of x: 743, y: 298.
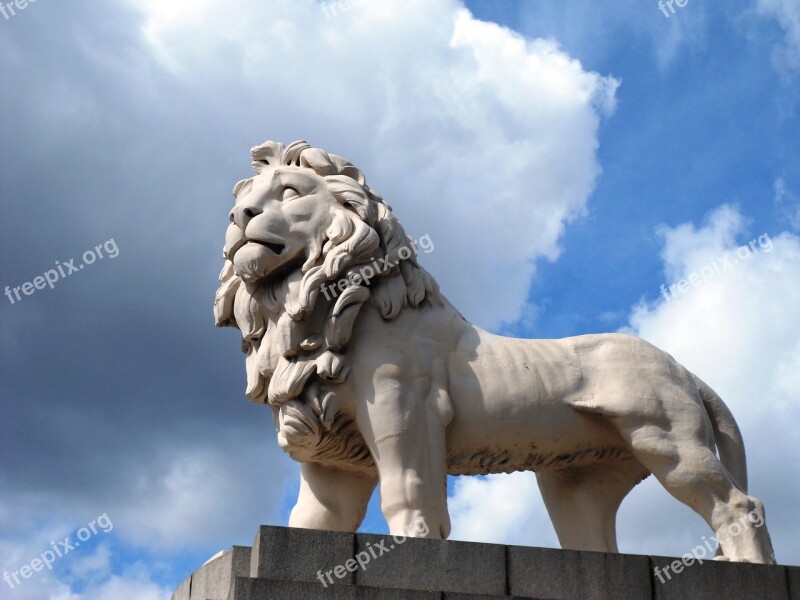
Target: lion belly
x: 514, y: 408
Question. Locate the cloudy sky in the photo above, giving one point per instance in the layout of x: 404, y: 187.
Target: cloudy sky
x: 567, y: 158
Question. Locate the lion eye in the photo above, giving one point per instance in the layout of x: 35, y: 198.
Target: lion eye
x: 290, y: 193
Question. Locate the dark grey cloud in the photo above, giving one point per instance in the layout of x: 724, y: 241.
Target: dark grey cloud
x: 115, y: 384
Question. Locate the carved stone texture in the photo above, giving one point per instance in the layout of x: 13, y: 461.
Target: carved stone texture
x: 372, y: 374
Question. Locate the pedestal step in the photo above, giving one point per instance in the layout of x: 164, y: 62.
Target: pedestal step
x: 299, y: 564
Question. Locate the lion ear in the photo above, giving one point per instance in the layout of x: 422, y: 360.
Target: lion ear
x: 240, y: 186
x: 350, y: 194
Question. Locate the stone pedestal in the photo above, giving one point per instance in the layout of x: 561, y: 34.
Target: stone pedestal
x: 305, y: 564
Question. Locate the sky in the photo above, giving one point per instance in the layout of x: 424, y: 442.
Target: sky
x: 572, y: 161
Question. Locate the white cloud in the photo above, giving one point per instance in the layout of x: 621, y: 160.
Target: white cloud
x: 89, y: 577
x: 92, y: 566
x: 738, y: 330
x: 787, y: 14
x: 503, y: 509
x: 113, y: 587
x: 124, y: 587
x: 159, y: 504
x: 481, y: 138
x: 748, y: 312
x: 205, y: 484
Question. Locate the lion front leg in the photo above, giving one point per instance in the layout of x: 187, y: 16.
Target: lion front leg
x: 330, y: 499
x: 405, y: 427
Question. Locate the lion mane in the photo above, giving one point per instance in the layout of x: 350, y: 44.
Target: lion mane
x: 295, y: 339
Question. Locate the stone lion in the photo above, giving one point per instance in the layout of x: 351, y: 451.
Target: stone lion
x: 372, y: 375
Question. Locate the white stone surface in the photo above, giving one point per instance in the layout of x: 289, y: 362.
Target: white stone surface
x: 373, y: 376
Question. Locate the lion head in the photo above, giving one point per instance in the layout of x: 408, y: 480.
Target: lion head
x: 309, y: 219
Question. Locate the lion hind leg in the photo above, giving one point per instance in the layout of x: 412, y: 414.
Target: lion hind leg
x: 689, y: 469
x: 583, y: 502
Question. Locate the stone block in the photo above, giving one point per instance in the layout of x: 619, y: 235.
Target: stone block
x: 182, y: 593
x: 240, y: 561
x: 294, y: 554
x: 271, y: 589
x: 569, y: 574
x: 423, y: 564
x: 793, y: 575
x: 213, y: 580
x: 712, y: 580
x: 207, y: 577
x: 461, y: 596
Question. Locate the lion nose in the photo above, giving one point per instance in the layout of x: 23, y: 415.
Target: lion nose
x: 241, y: 215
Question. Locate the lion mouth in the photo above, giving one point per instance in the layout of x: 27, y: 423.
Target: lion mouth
x: 276, y: 248
x: 236, y: 239
x: 257, y: 258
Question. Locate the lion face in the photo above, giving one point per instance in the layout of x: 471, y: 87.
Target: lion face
x: 274, y: 219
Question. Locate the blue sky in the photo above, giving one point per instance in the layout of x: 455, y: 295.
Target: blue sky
x: 566, y: 157
x: 713, y: 125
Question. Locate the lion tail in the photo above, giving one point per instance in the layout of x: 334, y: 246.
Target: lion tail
x: 728, y: 437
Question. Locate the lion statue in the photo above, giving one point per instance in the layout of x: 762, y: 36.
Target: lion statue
x: 372, y: 375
